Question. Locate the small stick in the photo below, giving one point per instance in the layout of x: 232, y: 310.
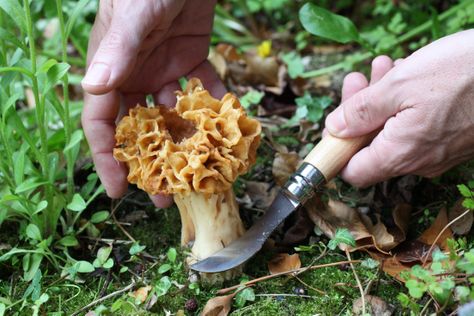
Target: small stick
x: 100, y: 300
x: 286, y: 295
x: 290, y: 272
x: 440, y: 233
x: 309, y: 286
x: 361, y: 289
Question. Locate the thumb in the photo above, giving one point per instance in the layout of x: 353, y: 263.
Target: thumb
x: 113, y: 51
x: 363, y: 113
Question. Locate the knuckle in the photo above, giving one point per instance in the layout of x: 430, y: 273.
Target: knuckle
x: 114, y: 40
x: 362, y: 108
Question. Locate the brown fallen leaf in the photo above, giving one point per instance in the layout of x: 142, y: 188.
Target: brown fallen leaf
x: 261, y: 194
x: 283, y: 262
x: 141, y: 294
x: 405, y: 256
x: 375, y: 305
x: 464, y: 225
x: 284, y: 165
x: 218, y: 306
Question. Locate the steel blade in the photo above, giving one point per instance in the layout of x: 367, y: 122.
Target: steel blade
x: 240, y: 250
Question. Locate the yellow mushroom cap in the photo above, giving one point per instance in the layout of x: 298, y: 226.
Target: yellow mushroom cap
x: 202, y: 145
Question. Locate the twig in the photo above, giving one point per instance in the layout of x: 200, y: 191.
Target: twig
x: 124, y: 231
x: 309, y: 286
x: 441, y: 233
x: 426, y: 306
x: 361, y: 289
x: 104, y: 298
x: 286, y: 295
x: 290, y: 272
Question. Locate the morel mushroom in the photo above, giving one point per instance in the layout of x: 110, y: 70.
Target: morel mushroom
x: 195, y: 152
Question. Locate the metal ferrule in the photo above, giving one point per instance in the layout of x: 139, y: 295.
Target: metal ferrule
x: 304, y: 182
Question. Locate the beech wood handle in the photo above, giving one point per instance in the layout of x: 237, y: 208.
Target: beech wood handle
x: 331, y: 154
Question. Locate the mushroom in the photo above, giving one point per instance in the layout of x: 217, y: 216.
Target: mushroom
x: 195, y: 152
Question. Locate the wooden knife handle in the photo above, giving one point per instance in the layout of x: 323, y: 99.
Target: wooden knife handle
x: 331, y: 154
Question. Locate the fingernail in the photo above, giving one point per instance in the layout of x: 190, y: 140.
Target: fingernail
x: 336, y: 123
x: 98, y: 74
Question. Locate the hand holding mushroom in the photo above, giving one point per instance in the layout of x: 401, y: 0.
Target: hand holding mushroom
x: 195, y: 152
x: 139, y: 48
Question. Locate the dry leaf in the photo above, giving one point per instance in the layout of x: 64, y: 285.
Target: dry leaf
x: 284, y: 165
x: 218, y: 306
x: 283, y: 262
x: 367, y: 231
x: 218, y: 62
x: 261, y: 194
x: 414, y: 251
x: 141, y: 294
x: 429, y: 235
x: 375, y: 305
x: 463, y: 225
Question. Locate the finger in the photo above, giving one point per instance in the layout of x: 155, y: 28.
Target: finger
x: 166, y: 95
x: 370, y: 165
x: 364, y: 112
x: 116, y: 52
x: 380, y: 66
x: 209, y: 78
x: 398, y: 61
x: 162, y: 201
x: 353, y: 83
x: 98, y: 122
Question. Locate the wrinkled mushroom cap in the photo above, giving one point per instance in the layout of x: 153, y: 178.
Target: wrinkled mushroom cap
x: 202, y: 145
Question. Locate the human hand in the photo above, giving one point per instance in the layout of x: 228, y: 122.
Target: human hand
x: 139, y: 48
x: 425, y: 108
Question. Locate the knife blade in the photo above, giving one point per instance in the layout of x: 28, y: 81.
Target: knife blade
x: 328, y: 157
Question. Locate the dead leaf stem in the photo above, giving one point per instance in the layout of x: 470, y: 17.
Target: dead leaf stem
x: 441, y: 233
x: 295, y: 271
x: 359, y: 284
x: 104, y: 298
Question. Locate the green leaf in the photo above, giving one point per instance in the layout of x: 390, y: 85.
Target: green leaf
x: 29, y: 184
x: 370, y: 263
x: 40, y: 207
x: 99, y: 217
x: 294, y: 64
x: 462, y: 292
x: 323, y: 23
x: 136, y: 249
x: 103, y: 254
x: 84, y: 267
x: 164, y: 268
x: 108, y: 264
x: 15, y: 11
x: 243, y: 296
x: 33, y: 232
x: 34, y: 265
x: 76, y: 138
x: 77, y: 204
x: 9, y: 37
x: 415, y: 288
x: 464, y: 190
x: 471, y: 184
x: 3, y: 308
x: 172, y: 255
x: 251, y: 97
x: 123, y: 269
x: 468, y: 203
x: 163, y: 286
x: 342, y: 236
x: 69, y: 241
x: 46, y: 66
x: 78, y: 8
x: 19, y: 166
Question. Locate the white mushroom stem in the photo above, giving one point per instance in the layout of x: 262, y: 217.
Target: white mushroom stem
x: 209, y: 222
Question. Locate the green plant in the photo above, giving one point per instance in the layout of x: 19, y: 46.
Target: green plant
x: 380, y: 39
x: 341, y: 236
x: 40, y: 142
